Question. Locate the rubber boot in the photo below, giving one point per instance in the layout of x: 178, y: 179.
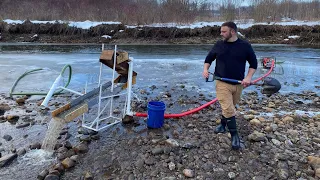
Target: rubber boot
x: 232, y: 126
x: 221, y: 128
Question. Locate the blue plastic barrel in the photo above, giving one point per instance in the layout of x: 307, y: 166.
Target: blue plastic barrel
x: 155, y: 114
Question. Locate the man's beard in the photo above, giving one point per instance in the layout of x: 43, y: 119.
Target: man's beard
x: 227, y: 38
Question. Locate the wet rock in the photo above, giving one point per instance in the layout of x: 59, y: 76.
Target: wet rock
x: 36, y: 145
x: 82, y: 148
x: 7, y: 137
x: 59, y: 167
x: 68, y: 145
x: 86, y: 138
x: 74, y: 158
x: 43, y: 174
x: 68, y: 163
x: 188, y: 173
x: 20, y: 101
x: 13, y: 118
x: 52, y: 177
x: 63, y: 132
x: 26, y: 124
x: 21, y: 151
x: 4, y: 107
x: 54, y: 172
x: 88, y: 176
x: 7, y: 159
x: 257, y: 136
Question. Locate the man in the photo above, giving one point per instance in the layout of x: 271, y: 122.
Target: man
x: 231, y: 55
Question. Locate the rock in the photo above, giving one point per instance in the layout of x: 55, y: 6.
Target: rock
x: 74, y: 158
x: 4, y: 108
x: 54, y: 172
x: 7, y: 159
x: 18, y: 126
x: 68, y: 163
x: 255, y: 122
x: 283, y: 170
x: 231, y: 175
x: 257, y: 136
x: 314, y: 162
x: 7, y: 137
x: 276, y: 142
x: 68, y: 145
x: 88, y: 176
x: 13, y: 118
x: 20, y: 101
x: 171, y: 166
x: 127, y: 119
x: 274, y: 127
x: 86, y: 138
x: 82, y: 148
x: 248, y: 117
x: 287, y: 119
x: 149, y: 161
x: 316, y: 140
x: 59, y: 167
x: 172, y: 142
x: 268, y: 129
x: 21, y: 151
x: 271, y: 105
x: 35, y: 146
x: 43, y: 174
x: 188, y: 173
x: 157, y: 151
x: 52, y: 177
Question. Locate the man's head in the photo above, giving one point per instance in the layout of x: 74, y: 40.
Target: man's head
x: 228, y: 31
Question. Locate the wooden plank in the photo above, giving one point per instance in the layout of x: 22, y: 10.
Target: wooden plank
x: 76, y: 112
x: 60, y: 110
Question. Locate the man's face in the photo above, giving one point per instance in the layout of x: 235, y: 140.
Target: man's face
x: 226, y: 33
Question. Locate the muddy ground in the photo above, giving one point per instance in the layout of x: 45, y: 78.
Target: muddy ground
x: 280, y: 136
x: 121, y: 34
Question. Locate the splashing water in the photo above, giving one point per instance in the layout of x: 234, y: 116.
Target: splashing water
x: 54, y: 129
x: 37, y: 157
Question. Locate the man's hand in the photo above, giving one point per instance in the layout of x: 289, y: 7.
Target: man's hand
x: 205, y: 73
x: 246, y: 81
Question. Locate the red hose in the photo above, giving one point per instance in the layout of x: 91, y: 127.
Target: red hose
x: 205, y: 105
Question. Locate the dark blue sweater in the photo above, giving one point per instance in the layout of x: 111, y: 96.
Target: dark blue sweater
x: 231, y: 58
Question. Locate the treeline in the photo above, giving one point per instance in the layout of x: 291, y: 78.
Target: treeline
x: 155, y: 11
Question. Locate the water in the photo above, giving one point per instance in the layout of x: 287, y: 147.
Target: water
x: 155, y: 65
x: 54, y: 129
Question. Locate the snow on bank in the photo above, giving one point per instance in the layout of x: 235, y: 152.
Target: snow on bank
x: 240, y: 23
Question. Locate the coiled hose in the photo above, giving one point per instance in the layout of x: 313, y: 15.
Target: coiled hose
x: 11, y: 93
